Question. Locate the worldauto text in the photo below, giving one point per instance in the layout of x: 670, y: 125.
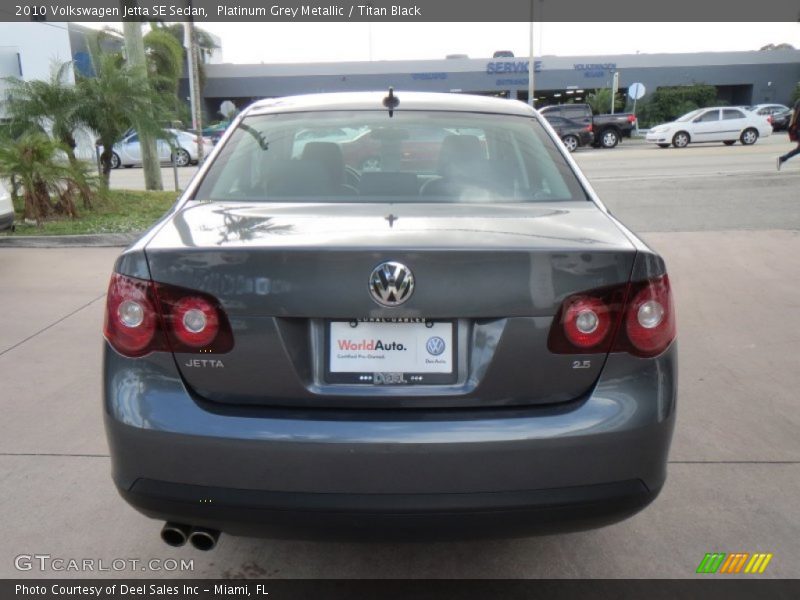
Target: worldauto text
x: 370, y: 345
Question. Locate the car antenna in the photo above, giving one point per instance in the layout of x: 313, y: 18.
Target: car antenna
x: 391, y: 101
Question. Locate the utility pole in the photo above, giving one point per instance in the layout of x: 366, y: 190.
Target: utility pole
x: 531, y: 65
x: 190, y: 42
x: 134, y: 49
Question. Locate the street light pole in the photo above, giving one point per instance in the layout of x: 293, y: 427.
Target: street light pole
x: 190, y: 42
x: 531, y: 65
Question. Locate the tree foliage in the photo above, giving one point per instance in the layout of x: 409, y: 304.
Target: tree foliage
x: 32, y: 162
x: 118, y: 98
x: 49, y: 105
x: 600, y: 101
x: 669, y: 103
x: 164, y: 60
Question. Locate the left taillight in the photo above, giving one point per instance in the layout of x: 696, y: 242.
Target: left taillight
x: 132, y: 324
x: 144, y: 317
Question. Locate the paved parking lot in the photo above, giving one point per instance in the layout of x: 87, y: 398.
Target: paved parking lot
x: 729, y: 228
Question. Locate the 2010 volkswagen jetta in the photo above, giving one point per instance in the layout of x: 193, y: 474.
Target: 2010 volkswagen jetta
x: 457, y: 339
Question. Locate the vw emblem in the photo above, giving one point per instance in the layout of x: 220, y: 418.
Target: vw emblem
x: 391, y: 283
x: 435, y: 345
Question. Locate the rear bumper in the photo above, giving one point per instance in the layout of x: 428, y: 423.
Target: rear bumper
x: 448, y: 473
x: 396, y: 516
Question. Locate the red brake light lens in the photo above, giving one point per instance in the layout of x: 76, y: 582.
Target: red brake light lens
x: 131, y: 321
x: 143, y: 317
x: 649, y: 319
x: 638, y: 318
x: 587, y: 322
x: 195, y: 322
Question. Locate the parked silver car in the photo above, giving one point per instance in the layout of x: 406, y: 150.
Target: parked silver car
x: 458, y: 344
x: 6, y: 209
x: 128, y: 152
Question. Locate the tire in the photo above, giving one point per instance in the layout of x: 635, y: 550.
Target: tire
x: 116, y: 163
x: 749, y: 136
x: 729, y: 142
x: 182, y: 158
x: 571, y: 142
x: 663, y: 145
x: 609, y: 138
x: 373, y: 163
x: 681, y: 139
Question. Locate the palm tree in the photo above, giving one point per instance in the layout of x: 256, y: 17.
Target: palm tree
x: 32, y: 161
x: 47, y: 105
x: 205, y: 43
x: 51, y: 106
x: 119, y: 97
x: 165, y: 60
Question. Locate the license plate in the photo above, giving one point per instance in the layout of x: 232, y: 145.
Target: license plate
x: 390, y: 353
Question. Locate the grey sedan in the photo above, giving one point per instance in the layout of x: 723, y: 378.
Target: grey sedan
x: 458, y: 344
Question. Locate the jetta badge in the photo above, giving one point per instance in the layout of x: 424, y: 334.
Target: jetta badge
x: 391, y: 283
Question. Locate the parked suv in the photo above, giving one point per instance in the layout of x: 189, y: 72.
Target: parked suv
x: 608, y: 129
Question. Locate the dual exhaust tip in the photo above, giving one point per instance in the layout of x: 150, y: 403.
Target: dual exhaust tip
x: 177, y: 534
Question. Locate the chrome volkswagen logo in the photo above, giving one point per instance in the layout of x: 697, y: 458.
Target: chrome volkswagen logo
x: 391, y: 283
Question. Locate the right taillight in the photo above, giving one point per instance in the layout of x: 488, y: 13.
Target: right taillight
x: 638, y: 318
x: 143, y: 317
x: 649, y: 326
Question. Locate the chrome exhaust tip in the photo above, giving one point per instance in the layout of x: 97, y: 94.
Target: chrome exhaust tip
x: 203, y: 539
x: 175, y: 534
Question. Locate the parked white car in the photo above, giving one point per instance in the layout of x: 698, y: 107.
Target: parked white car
x: 128, y: 152
x: 725, y: 124
x: 6, y: 209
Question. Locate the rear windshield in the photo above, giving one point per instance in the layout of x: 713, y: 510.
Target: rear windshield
x: 368, y: 156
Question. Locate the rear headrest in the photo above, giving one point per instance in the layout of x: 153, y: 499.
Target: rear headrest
x: 330, y: 156
x: 459, y: 153
x: 388, y: 184
x: 298, y: 178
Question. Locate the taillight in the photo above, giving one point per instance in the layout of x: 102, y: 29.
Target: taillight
x: 631, y: 119
x: 649, y: 319
x: 143, y: 317
x: 589, y: 127
x: 587, y: 322
x: 132, y: 322
x: 638, y: 318
x: 769, y: 119
x: 195, y: 322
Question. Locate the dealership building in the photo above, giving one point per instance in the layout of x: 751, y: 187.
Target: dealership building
x: 29, y: 51
x: 741, y: 78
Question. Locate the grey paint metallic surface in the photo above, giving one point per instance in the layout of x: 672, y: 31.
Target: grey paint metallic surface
x: 279, y: 270
x: 621, y: 430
